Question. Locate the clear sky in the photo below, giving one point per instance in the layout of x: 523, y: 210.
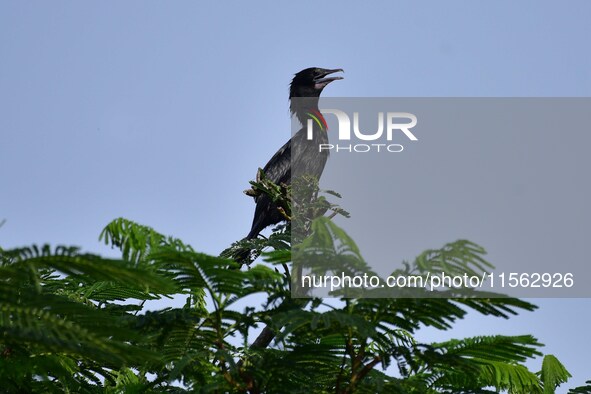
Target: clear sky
x: 162, y: 112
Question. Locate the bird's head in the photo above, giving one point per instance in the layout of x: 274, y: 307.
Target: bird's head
x: 309, y: 83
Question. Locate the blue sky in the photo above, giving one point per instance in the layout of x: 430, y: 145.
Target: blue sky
x: 162, y: 112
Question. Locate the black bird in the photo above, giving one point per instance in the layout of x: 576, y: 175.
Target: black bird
x: 307, y: 84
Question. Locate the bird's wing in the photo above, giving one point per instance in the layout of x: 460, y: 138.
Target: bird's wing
x: 278, y: 168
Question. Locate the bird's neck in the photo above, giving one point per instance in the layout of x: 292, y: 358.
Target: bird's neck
x: 316, y: 116
x: 305, y: 111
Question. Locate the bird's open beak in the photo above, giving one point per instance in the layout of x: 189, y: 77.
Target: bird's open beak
x: 321, y: 80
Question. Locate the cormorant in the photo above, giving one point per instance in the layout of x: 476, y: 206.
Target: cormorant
x: 307, y: 84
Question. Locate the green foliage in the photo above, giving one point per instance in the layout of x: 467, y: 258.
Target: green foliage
x: 75, y: 322
x: 582, y: 389
x: 58, y: 320
x: 553, y: 373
